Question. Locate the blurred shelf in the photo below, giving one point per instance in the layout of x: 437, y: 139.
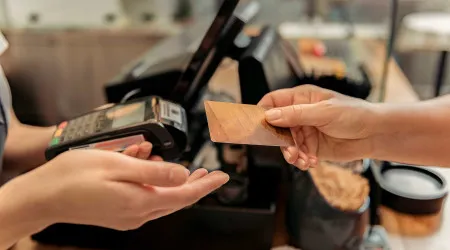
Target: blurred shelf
x: 332, y: 30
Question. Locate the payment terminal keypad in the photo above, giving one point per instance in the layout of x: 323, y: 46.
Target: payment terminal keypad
x: 79, y: 127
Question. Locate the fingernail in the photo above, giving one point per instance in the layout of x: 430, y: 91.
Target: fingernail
x: 172, y: 174
x: 265, y: 107
x: 146, y: 146
x: 288, y: 156
x: 187, y: 172
x: 313, y: 161
x: 228, y: 177
x: 273, y: 114
x: 301, y: 164
x: 222, y: 174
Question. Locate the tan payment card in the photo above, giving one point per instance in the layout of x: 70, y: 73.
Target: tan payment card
x: 243, y: 124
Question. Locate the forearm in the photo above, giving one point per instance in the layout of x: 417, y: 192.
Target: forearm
x: 417, y: 133
x: 19, y: 217
x: 25, y: 146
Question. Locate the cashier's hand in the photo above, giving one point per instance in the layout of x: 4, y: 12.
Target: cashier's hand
x: 142, y: 151
x: 325, y: 125
x: 109, y: 189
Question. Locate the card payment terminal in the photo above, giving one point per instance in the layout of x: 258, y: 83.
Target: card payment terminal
x: 152, y: 119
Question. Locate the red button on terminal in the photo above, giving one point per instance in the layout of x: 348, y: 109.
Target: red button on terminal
x: 62, y: 125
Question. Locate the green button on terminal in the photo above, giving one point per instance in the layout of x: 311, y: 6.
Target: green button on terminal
x: 54, y: 141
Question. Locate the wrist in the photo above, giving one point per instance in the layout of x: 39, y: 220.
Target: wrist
x: 21, y: 200
x: 384, y: 126
x: 22, y: 212
x: 413, y: 133
x: 398, y: 128
x: 45, y: 134
x: 25, y: 147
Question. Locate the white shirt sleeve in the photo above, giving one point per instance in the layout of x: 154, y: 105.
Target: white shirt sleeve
x: 5, y: 93
x: 3, y: 43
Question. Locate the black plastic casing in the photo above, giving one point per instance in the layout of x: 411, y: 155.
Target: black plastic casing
x: 169, y: 140
x: 263, y: 67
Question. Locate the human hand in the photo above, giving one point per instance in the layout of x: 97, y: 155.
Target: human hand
x: 142, y: 151
x: 109, y: 189
x: 324, y: 124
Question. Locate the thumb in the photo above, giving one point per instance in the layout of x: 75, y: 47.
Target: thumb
x: 155, y: 173
x: 296, y: 115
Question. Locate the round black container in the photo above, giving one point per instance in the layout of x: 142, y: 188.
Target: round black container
x: 412, y: 189
x: 314, y: 224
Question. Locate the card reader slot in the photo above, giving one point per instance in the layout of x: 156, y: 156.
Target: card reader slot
x: 107, y: 137
x: 114, y: 137
x: 80, y: 147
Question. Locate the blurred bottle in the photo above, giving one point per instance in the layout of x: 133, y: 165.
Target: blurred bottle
x: 183, y: 11
x: 165, y: 10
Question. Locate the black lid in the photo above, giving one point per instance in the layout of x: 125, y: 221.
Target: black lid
x: 412, y: 189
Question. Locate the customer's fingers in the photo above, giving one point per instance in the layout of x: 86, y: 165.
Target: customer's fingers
x: 314, y: 161
x: 297, y: 115
x: 297, y: 135
x: 311, y: 138
x: 277, y: 98
x: 303, y: 159
x: 301, y: 164
x: 295, y: 156
x: 286, y: 97
x: 290, y: 154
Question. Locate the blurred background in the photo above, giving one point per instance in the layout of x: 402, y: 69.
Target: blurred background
x: 63, y: 51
